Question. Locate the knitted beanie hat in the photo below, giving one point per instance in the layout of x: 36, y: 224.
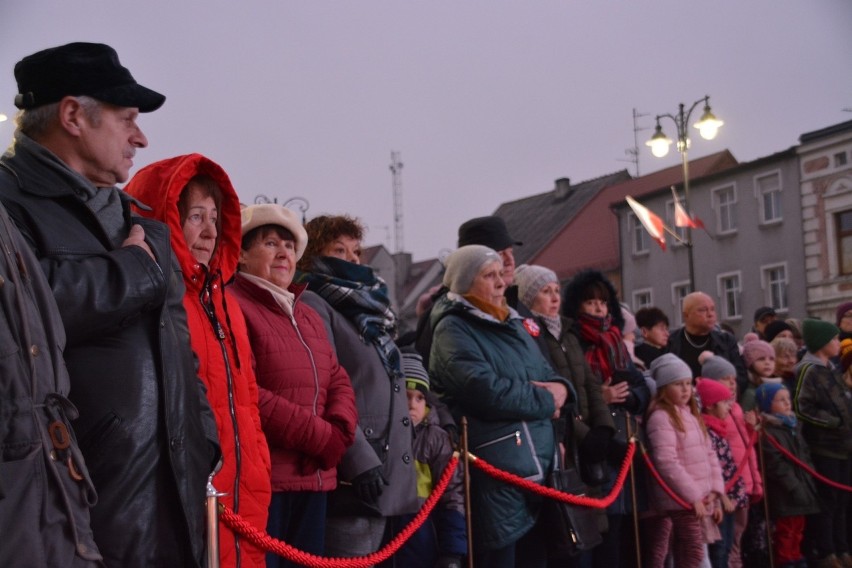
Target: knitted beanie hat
x: 531, y: 278
x: 416, y: 376
x: 764, y: 395
x: 772, y: 329
x: 842, y: 309
x: 754, y: 349
x: 711, y: 392
x: 818, y: 333
x: 463, y: 264
x: 845, y: 354
x: 716, y: 368
x: 669, y: 368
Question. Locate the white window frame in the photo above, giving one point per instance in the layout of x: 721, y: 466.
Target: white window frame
x: 766, y: 285
x: 722, y: 293
x: 670, y: 221
x: 637, y: 305
x: 677, y: 300
x: 761, y: 194
x: 638, y: 235
x: 730, y: 206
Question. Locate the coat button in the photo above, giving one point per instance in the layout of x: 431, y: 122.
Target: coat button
x: 34, y: 350
x: 162, y: 323
x: 406, y: 458
x: 368, y: 431
x: 396, y: 387
x: 406, y: 421
x: 176, y: 443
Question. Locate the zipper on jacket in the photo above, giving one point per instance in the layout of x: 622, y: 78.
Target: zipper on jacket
x: 516, y: 435
x: 316, y: 375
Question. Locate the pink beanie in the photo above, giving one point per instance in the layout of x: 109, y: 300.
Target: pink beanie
x: 754, y: 349
x: 711, y: 392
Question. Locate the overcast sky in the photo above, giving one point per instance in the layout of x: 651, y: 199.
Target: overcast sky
x: 487, y: 100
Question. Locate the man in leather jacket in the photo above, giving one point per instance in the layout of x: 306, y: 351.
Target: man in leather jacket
x: 145, y: 427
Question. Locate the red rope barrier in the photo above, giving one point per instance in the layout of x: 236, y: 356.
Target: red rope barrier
x: 677, y: 498
x: 258, y: 537
x: 551, y: 493
x: 777, y: 445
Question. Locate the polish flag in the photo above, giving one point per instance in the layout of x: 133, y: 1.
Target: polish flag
x: 653, y: 224
x: 682, y: 218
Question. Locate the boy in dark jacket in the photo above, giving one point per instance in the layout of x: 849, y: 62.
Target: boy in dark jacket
x: 823, y: 403
x: 442, y: 540
x: 791, y: 489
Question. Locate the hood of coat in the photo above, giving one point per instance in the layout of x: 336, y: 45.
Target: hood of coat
x: 571, y: 298
x: 159, y: 186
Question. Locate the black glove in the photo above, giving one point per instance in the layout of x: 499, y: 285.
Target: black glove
x: 448, y: 561
x: 368, y: 485
x: 595, y: 445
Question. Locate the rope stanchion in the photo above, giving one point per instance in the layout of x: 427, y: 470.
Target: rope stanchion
x: 819, y: 477
x: 551, y: 493
x: 259, y: 538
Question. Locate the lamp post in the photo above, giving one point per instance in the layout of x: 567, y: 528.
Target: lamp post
x: 299, y: 203
x: 708, y: 126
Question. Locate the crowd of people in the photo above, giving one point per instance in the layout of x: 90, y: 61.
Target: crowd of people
x: 162, y: 340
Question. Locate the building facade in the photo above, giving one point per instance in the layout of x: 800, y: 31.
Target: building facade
x: 750, y: 255
x: 825, y: 161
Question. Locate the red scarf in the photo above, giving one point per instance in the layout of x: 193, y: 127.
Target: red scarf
x: 717, y: 425
x: 608, y: 352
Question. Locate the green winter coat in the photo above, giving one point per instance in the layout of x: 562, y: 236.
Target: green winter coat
x: 483, y: 368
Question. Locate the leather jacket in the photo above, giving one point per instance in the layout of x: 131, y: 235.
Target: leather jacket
x: 145, y: 427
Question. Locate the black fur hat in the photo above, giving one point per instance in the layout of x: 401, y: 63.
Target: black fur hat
x: 572, y: 298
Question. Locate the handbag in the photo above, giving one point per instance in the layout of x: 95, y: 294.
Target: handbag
x: 570, y: 529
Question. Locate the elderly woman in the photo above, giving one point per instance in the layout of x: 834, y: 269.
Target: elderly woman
x: 592, y: 428
x: 306, y: 401
x: 490, y: 370
x: 194, y: 196
x: 379, y: 480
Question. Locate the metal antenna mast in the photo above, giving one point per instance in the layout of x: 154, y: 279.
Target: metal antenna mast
x: 396, y: 171
x: 634, y: 151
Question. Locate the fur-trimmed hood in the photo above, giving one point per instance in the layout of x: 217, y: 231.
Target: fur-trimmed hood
x: 573, y: 291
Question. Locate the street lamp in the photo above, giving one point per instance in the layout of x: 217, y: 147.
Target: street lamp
x: 708, y: 126
x: 299, y: 203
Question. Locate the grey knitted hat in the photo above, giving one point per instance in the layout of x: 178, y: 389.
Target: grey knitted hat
x: 416, y: 376
x: 463, y: 264
x: 669, y: 368
x: 531, y: 278
x: 716, y: 368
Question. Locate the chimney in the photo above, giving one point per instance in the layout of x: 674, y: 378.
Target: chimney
x: 562, y: 188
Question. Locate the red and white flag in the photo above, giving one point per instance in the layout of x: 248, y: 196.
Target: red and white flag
x: 682, y: 218
x: 652, y: 223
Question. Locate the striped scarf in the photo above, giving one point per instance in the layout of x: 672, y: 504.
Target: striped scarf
x: 361, y: 297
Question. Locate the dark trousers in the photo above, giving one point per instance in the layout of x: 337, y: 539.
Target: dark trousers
x: 825, y: 532
x: 719, y: 550
x: 530, y: 551
x: 297, y: 518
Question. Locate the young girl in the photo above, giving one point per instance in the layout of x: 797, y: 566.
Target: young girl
x: 685, y: 460
x: 759, y: 357
x: 740, y: 434
x: 792, y: 489
x: 716, y: 400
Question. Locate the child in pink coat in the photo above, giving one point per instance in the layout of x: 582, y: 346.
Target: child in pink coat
x: 686, y: 462
x: 741, y: 437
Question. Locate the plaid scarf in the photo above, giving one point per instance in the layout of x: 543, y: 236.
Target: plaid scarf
x: 608, y: 352
x: 362, y: 298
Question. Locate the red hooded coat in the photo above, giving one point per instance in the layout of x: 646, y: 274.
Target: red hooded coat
x: 225, y: 360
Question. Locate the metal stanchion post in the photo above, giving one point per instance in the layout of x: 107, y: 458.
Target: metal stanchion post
x: 467, y: 510
x: 629, y: 431
x: 766, y: 503
x: 212, y: 523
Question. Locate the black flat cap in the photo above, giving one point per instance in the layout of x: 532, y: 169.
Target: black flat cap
x: 76, y: 69
x: 763, y: 312
x: 490, y: 231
